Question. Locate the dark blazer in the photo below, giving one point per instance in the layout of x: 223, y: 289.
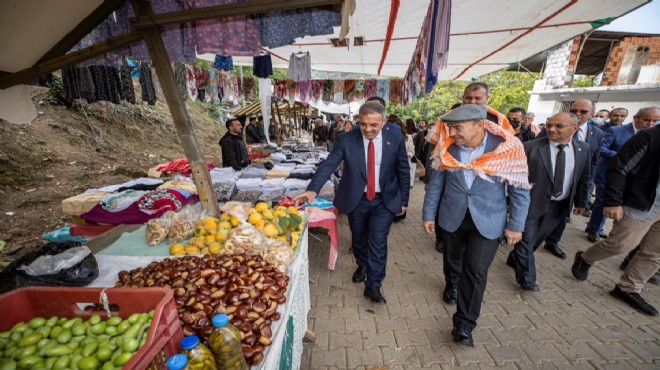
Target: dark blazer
x: 614, y: 138
x: 234, y: 152
x: 394, y: 171
x: 541, y: 175
x: 594, y: 139
x: 252, y: 134
x: 632, y: 178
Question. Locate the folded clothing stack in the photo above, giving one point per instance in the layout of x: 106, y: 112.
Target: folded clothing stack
x: 273, y: 174
x: 248, y: 184
x: 254, y: 173
x: 251, y: 196
x: 224, y: 190
x: 224, y: 182
x: 278, y: 157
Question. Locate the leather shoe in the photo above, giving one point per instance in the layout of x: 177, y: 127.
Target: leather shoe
x: 603, y: 235
x: 360, y: 275
x: 375, y: 295
x: 510, y: 262
x: 592, y: 236
x: 555, y: 250
x: 587, y: 213
x: 450, y: 295
x: 531, y: 287
x: 463, y: 337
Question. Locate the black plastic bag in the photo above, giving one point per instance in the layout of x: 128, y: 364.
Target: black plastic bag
x: 81, y: 274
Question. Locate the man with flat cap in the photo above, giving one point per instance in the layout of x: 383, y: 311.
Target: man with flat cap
x: 475, y: 164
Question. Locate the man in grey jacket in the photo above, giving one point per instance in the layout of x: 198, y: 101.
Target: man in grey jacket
x: 472, y: 204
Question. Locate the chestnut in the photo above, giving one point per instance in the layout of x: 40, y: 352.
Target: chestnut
x: 255, y: 359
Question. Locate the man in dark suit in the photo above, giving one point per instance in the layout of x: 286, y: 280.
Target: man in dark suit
x: 252, y: 132
x: 472, y: 214
x: 559, y: 170
x: 592, y: 135
x: 375, y: 187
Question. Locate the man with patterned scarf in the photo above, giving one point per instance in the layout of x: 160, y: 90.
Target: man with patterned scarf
x: 476, y: 164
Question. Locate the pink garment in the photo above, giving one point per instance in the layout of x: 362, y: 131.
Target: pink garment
x: 317, y: 89
x: 327, y: 219
x: 305, y: 91
x: 236, y: 36
x: 370, y: 88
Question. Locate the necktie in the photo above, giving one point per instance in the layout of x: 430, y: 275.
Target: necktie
x: 371, y: 171
x: 560, y: 168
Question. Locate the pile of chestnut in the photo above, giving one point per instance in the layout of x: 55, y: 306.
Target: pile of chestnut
x: 246, y: 288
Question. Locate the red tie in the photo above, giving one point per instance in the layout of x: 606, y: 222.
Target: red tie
x: 371, y: 171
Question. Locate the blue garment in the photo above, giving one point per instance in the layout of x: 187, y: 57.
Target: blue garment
x: 281, y: 28
x: 468, y: 156
x: 262, y: 66
x: 486, y: 201
x: 223, y: 63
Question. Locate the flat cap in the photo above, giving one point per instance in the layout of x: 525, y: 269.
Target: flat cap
x: 466, y: 112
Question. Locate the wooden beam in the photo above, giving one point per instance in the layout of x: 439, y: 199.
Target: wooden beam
x: 184, y: 128
x: 82, y: 29
x: 220, y: 11
x: 54, y: 64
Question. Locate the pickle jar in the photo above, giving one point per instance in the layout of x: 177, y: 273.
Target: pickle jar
x: 225, y: 343
x: 177, y: 362
x: 199, y: 356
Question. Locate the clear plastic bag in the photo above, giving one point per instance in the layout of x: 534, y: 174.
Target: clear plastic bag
x: 53, y: 264
x: 157, y: 230
x: 240, y: 210
x: 183, y: 222
x: 244, y: 239
x: 277, y: 253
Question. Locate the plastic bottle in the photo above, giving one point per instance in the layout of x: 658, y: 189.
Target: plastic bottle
x: 199, y: 356
x: 225, y: 343
x: 177, y: 362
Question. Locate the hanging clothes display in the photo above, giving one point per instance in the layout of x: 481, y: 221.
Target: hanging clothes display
x: 201, y: 79
x: 281, y: 28
x: 292, y: 87
x: 212, y: 86
x: 327, y: 91
x: 223, y: 63
x: 180, y: 77
x: 300, y: 67
x: 304, y: 91
x: 191, y: 82
x: 247, y: 87
x: 127, y: 90
x: 148, y: 91
x: 438, y: 41
x: 87, y: 88
x: 262, y: 66
x: 317, y: 89
x: 159, y: 89
x: 338, y: 91
x: 370, y: 88
x: 237, y: 36
x: 106, y: 83
x: 359, y: 90
x: 349, y: 90
x: 281, y: 89
x: 265, y: 96
x: 383, y: 89
x: 396, y: 89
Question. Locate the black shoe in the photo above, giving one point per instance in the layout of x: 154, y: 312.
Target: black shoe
x: 555, y: 250
x: 450, y: 295
x: 587, y: 213
x: 634, y: 300
x: 510, y: 262
x: 531, y: 287
x: 655, y: 279
x: 375, y: 295
x: 463, y: 337
x: 580, y: 267
x: 603, y: 235
x: 438, y: 246
x: 629, y: 257
x: 360, y: 275
x: 592, y: 236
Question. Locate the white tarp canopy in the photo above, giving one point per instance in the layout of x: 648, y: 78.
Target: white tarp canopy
x: 486, y: 36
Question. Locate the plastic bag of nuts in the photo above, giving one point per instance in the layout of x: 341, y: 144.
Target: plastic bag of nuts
x: 277, y: 253
x: 157, y: 230
x: 244, y: 239
x: 183, y: 222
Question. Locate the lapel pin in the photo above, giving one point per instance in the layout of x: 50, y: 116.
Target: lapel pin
x: 388, y: 143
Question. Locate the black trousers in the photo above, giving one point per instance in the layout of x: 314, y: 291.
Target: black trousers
x: 536, y: 231
x: 468, y: 255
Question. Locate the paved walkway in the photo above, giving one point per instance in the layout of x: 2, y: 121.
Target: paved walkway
x: 567, y: 325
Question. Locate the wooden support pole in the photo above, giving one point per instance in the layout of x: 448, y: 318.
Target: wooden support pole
x: 200, y: 172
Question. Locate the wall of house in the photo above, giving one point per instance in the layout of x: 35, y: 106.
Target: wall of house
x: 627, y: 57
x: 559, y: 65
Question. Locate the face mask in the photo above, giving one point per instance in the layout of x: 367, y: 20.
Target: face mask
x: 598, y: 121
x: 515, y: 123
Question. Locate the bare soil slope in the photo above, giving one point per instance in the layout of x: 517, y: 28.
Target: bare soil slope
x: 68, y: 150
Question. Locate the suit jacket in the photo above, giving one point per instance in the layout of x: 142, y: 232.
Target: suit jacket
x: 394, y: 171
x: 594, y: 139
x: 541, y: 175
x: 614, y: 138
x: 485, y: 200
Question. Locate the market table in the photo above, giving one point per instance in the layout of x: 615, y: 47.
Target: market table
x: 286, y: 350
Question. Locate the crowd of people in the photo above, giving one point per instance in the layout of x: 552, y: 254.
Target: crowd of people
x: 494, y: 179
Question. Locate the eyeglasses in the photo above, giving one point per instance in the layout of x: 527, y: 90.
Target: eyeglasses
x: 581, y: 111
x: 558, y: 126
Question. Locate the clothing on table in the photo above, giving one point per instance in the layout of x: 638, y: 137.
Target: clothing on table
x: 300, y: 67
x: 301, y: 176
x: 131, y: 215
x: 127, y: 89
x: 280, y: 28
x: 120, y: 201
x: 126, y: 185
x: 277, y: 173
x: 262, y: 66
x: 237, y: 35
x: 245, y: 183
x: 147, y: 85
x: 254, y: 172
x: 223, y: 63
x: 183, y: 186
x: 161, y: 200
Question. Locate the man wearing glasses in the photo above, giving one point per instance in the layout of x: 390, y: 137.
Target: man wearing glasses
x: 592, y: 135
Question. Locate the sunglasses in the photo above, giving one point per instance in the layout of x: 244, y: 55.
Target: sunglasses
x: 558, y: 126
x: 581, y: 111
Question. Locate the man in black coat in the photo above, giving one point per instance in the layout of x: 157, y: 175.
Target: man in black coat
x: 234, y: 150
x: 252, y: 132
x: 559, y: 170
x: 632, y: 200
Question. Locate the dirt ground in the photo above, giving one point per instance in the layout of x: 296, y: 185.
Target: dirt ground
x: 67, y: 150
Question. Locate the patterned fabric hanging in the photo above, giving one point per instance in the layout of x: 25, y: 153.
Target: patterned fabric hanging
x: 292, y: 88
x: 127, y: 90
x: 327, y: 91
x: 191, y: 82
x: 370, y: 88
x: 237, y: 36
x: 159, y: 90
x: 180, y: 77
x: 317, y: 89
x: 212, y: 86
x: 305, y: 91
x: 396, y: 89
x: 148, y: 91
x: 383, y: 89
x: 359, y: 90
x: 223, y: 63
x: 281, y: 89
x: 349, y: 90
x: 248, y: 87
x: 338, y: 91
